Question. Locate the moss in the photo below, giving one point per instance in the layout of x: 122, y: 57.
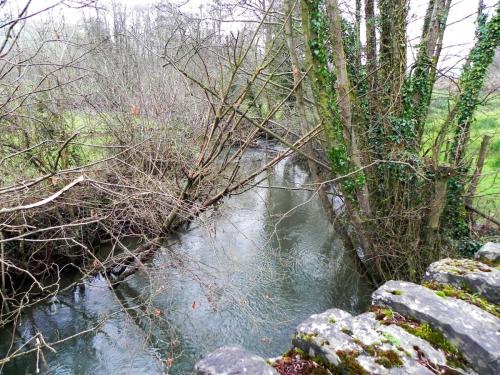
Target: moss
x: 382, y: 313
x: 318, y: 359
x: 307, y: 337
x: 349, y: 365
x: 391, y: 339
x: 491, y: 262
x: 464, y: 266
x: 397, y: 292
x: 423, y: 331
x: 299, y: 352
x: 388, y: 358
x: 435, y: 338
x: 370, y: 349
x: 445, y: 290
x: 388, y: 313
x: 332, y: 321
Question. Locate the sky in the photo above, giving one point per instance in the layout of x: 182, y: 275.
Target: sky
x: 458, y: 40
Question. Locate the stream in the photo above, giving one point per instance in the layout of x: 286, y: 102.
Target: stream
x: 246, y: 273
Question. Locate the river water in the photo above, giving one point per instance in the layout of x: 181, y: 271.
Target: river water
x: 246, y: 273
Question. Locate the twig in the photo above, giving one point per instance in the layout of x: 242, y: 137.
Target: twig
x: 482, y: 214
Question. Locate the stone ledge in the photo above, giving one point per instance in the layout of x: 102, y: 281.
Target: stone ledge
x: 372, y: 347
x: 472, y: 330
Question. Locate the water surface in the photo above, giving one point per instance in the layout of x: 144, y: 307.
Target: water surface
x: 246, y: 273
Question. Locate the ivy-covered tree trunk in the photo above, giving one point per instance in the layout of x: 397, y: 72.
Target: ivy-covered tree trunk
x: 392, y: 67
x: 375, y: 114
x: 336, y: 118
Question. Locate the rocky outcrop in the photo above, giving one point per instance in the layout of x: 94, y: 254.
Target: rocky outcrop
x: 377, y: 348
x: 448, y: 325
x: 472, y: 330
x: 476, y: 276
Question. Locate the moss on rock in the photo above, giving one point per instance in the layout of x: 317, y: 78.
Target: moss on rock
x: 446, y: 290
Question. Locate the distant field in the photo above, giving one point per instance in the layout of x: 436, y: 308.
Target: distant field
x: 487, y: 121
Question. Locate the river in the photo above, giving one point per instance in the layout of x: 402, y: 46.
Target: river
x: 246, y: 273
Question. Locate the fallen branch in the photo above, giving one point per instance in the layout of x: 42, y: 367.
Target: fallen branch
x: 44, y: 201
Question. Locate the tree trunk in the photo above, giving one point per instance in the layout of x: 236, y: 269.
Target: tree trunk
x: 346, y: 99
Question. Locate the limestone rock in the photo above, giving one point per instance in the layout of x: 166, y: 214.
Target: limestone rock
x: 233, y: 361
x: 478, y: 277
x: 474, y: 331
x: 367, y: 342
x: 489, y: 253
x: 318, y: 323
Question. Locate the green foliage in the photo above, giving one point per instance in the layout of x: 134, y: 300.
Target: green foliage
x: 349, y: 364
x: 473, y: 75
x: 390, y: 338
x: 402, y: 130
x: 486, y: 122
x: 405, y: 194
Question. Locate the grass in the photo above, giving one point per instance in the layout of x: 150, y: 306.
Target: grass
x: 95, y: 132
x: 86, y: 147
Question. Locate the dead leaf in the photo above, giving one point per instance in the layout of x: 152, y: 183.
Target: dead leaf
x: 135, y: 110
x: 169, y: 362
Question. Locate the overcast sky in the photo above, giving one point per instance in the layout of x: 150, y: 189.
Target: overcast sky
x: 458, y: 39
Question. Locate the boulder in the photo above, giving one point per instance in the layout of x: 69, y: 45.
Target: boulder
x: 362, y: 344
x: 476, y: 276
x: 489, y: 253
x: 233, y: 360
x: 473, y: 331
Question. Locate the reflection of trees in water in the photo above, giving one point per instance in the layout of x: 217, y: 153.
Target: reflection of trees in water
x: 291, y: 214
x: 97, y: 326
